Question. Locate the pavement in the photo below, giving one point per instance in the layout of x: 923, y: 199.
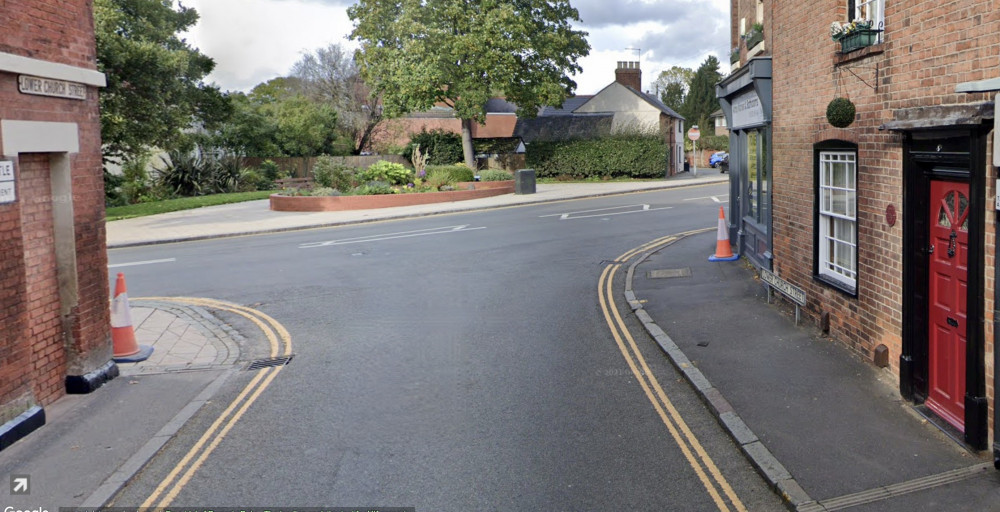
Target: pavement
x: 825, y: 429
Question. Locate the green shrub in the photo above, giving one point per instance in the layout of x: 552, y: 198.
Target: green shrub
x: 184, y: 173
x: 609, y: 157
x: 270, y: 170
x: 436, y: 182
x: 394, y: 174
x: 373, y: 188
x: 441, y: 147
x: 454, y: 173
x: 495, y: 175
x: 324, y: 191
x: 112, y: 194
x: 252, y: 180
x: 134, y: 183
x: 328, y: 173
x: 226, y: 173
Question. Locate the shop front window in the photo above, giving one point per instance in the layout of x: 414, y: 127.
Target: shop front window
x: 758, y: 177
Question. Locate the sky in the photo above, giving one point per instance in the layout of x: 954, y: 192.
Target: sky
x: 253, y: 41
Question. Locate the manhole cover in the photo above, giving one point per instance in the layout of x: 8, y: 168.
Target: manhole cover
x: 669, y: 272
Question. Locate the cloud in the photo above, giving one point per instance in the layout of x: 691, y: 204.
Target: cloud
x: 253, y: 41
x: 603, y: 13
x: 685, y: 42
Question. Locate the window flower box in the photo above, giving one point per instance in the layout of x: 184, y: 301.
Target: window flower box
x: 861, y: 38
x: 754, y: 37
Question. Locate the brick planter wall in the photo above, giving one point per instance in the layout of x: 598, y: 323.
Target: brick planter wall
x: 280, y: 203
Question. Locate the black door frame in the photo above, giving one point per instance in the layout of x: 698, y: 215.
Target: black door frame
x: 954, y: 154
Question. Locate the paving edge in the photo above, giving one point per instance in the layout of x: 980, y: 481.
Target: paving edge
x: 465, y: 209
x: 114, y: 483
x: 767, y: 465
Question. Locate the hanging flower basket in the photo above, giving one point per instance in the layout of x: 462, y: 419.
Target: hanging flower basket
x: 840, y: 112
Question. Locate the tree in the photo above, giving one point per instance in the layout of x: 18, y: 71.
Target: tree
x: 276, y: 119
x: 673, y: 85
x: 155, y: 87
x: 329, y: 75
x: 701, y: 101
x: 418, y: 53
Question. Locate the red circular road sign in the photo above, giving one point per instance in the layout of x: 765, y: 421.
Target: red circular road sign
x: 694, y: 133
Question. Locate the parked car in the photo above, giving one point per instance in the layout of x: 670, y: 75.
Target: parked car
x: 717, y: 158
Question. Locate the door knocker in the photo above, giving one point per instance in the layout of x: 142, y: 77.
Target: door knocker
x: 951, y: 244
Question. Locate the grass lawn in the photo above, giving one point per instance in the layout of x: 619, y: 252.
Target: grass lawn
x: 183, y: 203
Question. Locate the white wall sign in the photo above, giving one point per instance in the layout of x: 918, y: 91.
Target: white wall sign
x: 7, y: 189
x: 747, y: 110
x: 48, y: 87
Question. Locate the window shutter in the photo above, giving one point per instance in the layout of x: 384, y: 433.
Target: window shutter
x: 851, y: 10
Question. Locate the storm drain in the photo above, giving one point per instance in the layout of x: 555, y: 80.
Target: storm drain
x: 269, y: 362
x: 668, y: 273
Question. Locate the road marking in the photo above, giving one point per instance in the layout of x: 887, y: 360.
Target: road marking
x: 713, y: 198
x: 391, y: 236
x: 168, y: 489
x: 147, y: 262
x: 910, y: 486
x: 576, y: 215
x: 708, y: 473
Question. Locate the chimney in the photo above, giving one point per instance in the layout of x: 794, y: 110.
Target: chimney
x: 629, y: 74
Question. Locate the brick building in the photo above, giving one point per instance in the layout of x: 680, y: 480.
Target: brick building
x: 54, y: 293
x: 889, y: 223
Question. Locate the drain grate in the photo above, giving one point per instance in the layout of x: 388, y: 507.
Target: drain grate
x: 269, y: 362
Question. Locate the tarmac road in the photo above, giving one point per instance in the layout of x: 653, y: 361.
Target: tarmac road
x: 456, y: 362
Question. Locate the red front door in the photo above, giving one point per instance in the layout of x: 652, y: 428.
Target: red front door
x: 949, y: 265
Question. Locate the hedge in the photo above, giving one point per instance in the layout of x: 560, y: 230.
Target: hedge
x: 611, y: 157
x: 440, y: 147
x: 709, y: 142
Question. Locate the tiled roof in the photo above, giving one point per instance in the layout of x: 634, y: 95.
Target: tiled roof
x: 567, y: 108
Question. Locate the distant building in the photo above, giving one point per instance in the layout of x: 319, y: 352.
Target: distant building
x: 719, y: 120
x: 55, y: 316
x: 620, y: 106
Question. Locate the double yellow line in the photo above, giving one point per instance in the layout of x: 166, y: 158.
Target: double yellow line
x: 277, y: 336
x: 715, y: 483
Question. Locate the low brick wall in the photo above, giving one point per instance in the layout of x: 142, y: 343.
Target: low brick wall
x: 280, y: 203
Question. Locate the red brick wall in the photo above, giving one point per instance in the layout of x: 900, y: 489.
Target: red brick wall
x: 42, y: 283
x: 54, y: 30
x: 929, y: 48
x: 38, y: 347
x: 397, y: 132
x: 15, y: 356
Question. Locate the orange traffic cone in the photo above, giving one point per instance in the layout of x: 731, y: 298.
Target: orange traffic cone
x: 723, y: 251
x: 126, y: 350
